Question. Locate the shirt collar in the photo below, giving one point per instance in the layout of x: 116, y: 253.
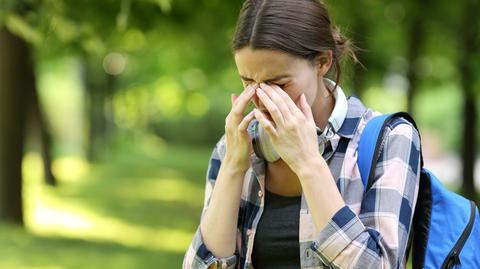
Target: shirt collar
x: 355, y: 111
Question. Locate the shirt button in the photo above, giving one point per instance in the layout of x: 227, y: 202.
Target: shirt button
x: 249, y: 232
x: 260, y: 193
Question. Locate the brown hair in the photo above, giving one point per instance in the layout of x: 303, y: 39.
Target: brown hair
x: 298, y: 27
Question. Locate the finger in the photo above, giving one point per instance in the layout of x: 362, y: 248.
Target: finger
x: 294, y: 109
x: 271, y: 107
x: 278, y: 101
x: 233, y: 97
x: 244, y: 123
x: 305, y: 107
x: 245, y: 91
x: 242, y: 101
x: 265, y: 123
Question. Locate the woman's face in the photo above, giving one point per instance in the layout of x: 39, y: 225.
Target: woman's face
x: 274, y: 67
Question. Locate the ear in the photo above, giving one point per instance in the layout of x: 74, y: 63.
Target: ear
x: 323, y: 62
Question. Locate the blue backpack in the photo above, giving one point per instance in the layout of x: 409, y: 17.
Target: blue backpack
x: 446, y: 226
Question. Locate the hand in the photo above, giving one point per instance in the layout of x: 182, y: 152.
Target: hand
x: 293, y: 132
x: 238, y: 142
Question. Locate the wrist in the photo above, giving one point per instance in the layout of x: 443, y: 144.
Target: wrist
x: 235, y: 165
x: 310, y: 167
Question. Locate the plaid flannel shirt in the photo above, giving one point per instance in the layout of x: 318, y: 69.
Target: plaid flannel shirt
x: 370, y: 231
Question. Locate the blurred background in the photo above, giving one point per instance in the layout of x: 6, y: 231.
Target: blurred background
x: 109, y: 111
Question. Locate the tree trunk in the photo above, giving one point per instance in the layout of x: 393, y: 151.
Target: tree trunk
x: 38, y: 121
x: 416, y: 39
x: 95, y: 100
x: 469, y: 45
x: 111, y: 84
x: 469, y: 145
x: 360, y: 33
x: 15, y: 78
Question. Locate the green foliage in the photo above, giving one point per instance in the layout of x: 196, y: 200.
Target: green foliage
x: 179, y: 69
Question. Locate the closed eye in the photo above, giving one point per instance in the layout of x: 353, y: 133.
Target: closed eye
x: 248, y: 81
x: 278, y: 84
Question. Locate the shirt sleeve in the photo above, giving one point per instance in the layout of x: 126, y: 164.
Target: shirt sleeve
x: 198, y: 256
x: 378, y: 235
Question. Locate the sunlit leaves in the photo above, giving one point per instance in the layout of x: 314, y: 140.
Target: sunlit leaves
x: 133, y: 40
x: 19, y: 26
x: 65, y: 29
x: 168, y: 96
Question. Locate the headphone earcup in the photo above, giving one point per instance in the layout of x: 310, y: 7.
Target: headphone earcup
x: 262, y: 145
x: 322, y: 140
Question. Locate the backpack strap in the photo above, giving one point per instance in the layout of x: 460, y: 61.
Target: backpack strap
x: 368, y: 146
x: 370, y: 142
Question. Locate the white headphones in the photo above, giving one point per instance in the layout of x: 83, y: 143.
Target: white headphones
x: 263, y: 147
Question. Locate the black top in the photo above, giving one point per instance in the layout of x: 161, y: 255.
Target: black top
x: 276, y: 238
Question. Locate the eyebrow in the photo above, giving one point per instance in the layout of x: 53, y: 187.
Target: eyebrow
x: 268, y: 80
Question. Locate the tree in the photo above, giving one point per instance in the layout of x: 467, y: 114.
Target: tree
x: 416, y: 37
x: 16, y: 79
x: 38, y: 121
x: 469, y: 44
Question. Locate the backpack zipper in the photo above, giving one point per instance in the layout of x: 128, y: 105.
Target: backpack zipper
x: 453, y: 258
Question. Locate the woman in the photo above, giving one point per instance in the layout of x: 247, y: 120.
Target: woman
x: 307, y: 208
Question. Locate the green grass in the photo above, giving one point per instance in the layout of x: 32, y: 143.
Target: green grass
x: 138, y: 208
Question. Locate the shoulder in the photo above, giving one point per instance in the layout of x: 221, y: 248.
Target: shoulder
x: 401, y: 144
x: 397, y: 126
x: 400, y: 126
x: 400, y: 140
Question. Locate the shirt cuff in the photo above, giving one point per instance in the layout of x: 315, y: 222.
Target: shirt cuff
x: 229, y: 262
x: 337, y: 234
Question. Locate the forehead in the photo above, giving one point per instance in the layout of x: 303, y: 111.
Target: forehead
x: 263, y: 64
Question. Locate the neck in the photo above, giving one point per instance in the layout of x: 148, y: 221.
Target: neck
x: 322, y: 106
